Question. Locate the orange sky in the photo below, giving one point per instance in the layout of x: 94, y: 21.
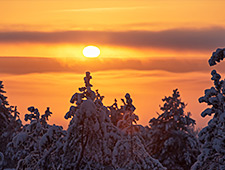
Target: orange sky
x: 148, y: 48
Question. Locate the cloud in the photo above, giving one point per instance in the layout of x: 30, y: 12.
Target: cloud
x: 100, y: 9
x: 174, y: 39
x: 27, y: 65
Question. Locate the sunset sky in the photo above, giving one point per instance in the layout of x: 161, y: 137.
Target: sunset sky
x: 148, y: 48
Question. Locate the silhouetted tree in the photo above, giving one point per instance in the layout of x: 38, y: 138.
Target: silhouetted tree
x: 30, y: 148
x: 9, y: 124
x: 129, y: 152
x: 212, y: 137
x: 91, y: 136
x: 94, y: 142
x: 171, y: 139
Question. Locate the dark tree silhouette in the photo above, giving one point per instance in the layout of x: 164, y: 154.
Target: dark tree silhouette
x: 9, y: 124
x: 212, y: 137
x: 171, y: 138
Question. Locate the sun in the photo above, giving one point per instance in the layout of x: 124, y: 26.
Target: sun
x: 91, y: 51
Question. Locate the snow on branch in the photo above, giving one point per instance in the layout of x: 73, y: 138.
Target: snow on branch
x: 217, y: 56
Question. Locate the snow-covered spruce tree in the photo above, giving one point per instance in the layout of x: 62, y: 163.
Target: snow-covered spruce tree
x: 32, y: 146
x: 171, y: 139
x: 212, y: 137
x: 90, y: 136
x: 9, y: 124
x: 129, y: 152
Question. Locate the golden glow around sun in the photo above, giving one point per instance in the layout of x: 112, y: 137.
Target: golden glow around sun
x: 91, y: 51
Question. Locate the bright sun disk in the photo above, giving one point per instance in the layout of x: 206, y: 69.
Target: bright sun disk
x: 91, y: 51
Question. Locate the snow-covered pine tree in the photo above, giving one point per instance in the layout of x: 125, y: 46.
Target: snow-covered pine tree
x: 90, y: 136
x: 212, y: 137
x: 129, y: 152
x: 171, y: 139
x: 31, y: 148
x: 9, y: 124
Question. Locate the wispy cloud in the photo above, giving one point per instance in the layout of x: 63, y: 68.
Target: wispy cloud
x: 174, y: 39
x: 100, y: 9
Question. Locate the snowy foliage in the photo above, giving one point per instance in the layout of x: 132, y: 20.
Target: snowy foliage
x: 4, y: 111
x: 9, y: 124
x: 1, y: 160
x: 91, y: 136
x: 171, y: 140
x: 30, y: 147
x: 94, y: 141
x: 115, y: 114
x: 129, y: 117
x: 212, y: 137
x: 130, y: 148
x: 100, y: 137
x: 217, y: 56
x: 131, y: 154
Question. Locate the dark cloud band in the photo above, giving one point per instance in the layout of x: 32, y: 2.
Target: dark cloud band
x: 176, y: 39
x: 26, y: 65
